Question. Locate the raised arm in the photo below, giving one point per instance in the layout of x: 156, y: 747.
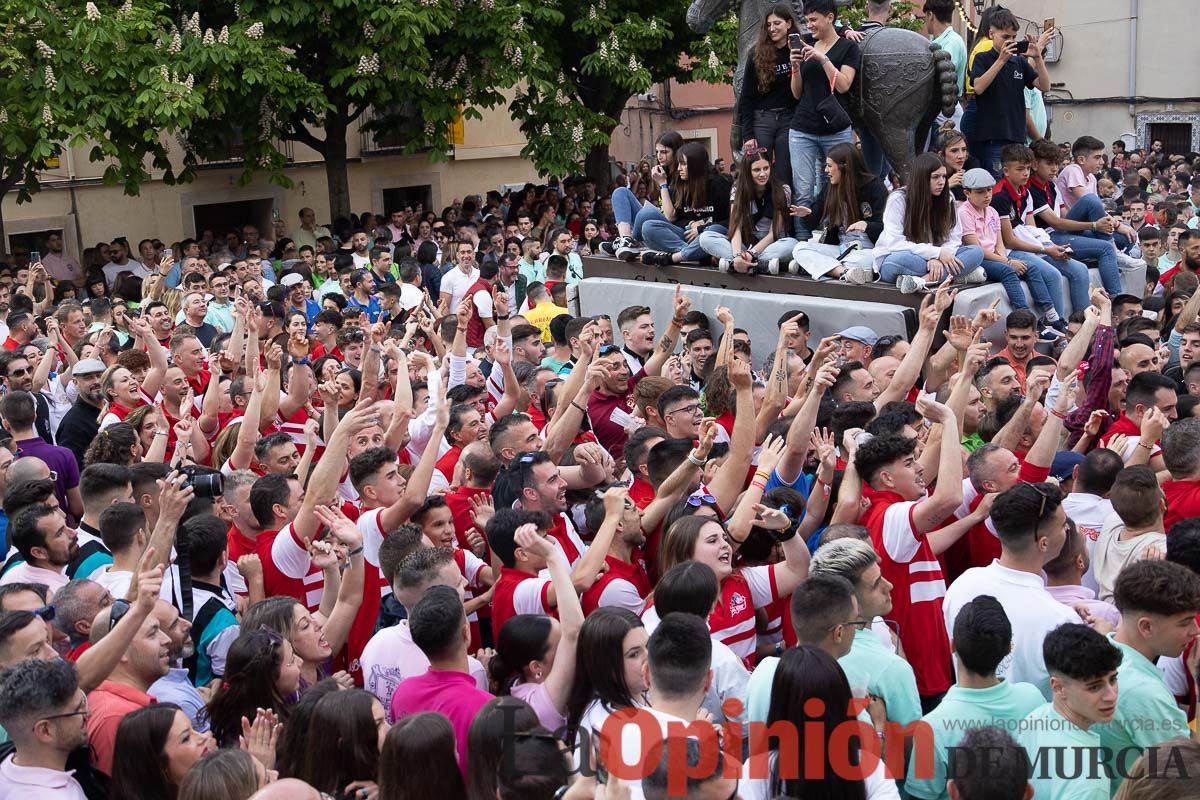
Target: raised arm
x: 803, y: 423
x: 729, y: 480
x: 270, y: 402
x: 725, y: 317
x: 1015, y: 428
x: 1046, y: 445
x: 947, y: 495
x: 157, y: 354
x: 417, y: 488
x: 671, y: 490
x: 349, y: 595
x: 666, y: 342
x: 325, y: 478
x: 97, y: 662
x: 909, y: 370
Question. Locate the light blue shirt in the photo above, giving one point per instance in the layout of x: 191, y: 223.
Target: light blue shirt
x: 175, y: 687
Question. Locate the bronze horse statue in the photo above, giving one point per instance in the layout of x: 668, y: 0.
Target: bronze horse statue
x: 904, y: 82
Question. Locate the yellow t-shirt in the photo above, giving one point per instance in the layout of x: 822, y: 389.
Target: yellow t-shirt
x: 540, y: 315
x: 982, y: 46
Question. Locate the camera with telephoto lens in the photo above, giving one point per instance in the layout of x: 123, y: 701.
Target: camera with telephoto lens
x: 203, y: 482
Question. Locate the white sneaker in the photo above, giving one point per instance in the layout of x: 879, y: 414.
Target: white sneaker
x: 723, y: 264
x: 793, y: 267
x: 975, y: 276
x: 1128, y: 263
x: 774, y: 266
x: 859, y: 276
x: 627, y: 250
x: 910, y: 284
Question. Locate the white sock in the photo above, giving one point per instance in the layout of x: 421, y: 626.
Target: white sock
x: 1051, y: 315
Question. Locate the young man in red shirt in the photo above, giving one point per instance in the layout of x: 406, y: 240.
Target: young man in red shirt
x: 899, y: 518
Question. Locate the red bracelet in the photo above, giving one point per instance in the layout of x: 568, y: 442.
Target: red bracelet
x: 1058, y: 413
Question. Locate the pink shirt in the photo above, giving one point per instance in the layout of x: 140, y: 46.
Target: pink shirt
x: 1070, y: 595
x: 390, y: 658
x: 451, y: 694
x: 27, y: 573
x: 983, y: 224
x: 539, y: 699
x: 1068, y: 179
x: 36, y: 783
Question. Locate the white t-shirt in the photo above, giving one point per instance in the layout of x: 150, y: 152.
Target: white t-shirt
x: 116, y: 581
x: 455, y: 283
x: 1088, y: 511
x: 1032, y: 611
x: 391, y: 656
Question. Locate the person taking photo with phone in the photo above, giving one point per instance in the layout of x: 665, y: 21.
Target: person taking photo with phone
x: 1000, y: 77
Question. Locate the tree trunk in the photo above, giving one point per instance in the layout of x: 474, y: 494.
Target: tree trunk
x: 596, y: 166
x: 336, y: 177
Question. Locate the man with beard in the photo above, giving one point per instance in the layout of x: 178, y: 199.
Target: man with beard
x: 41, y: 536
x: 175, y: 687
x: 45, y: 713
x: 82, y: 422
x: 1189, y: 251
x: 160, y: 321
x: 18, y: 377
x: 625, y: 584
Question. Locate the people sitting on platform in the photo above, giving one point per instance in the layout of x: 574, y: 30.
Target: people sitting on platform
x: 631, y: 213
x: 841, y: 212
x: 921, y: 244
x: 981, y: 226
x: 758, y: 220
x: 700, y: 203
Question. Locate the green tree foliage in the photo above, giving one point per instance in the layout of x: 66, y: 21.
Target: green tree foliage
x: 116, y: 76
x: 406, y: 66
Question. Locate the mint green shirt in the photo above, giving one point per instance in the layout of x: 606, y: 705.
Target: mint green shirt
x: 1036, y: 106
x: 758, y: 692
x: 1003, y: 705
x: 952, y: 43
x: 871, y: 666
x: 1146, y: 712
x: 1056, y: 748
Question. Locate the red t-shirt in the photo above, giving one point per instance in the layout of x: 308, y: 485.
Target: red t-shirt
x: 618, y: 586
x: 519, y: 592
x: 459, y: 502
x: 287, y: 568
x: 732, y: 622
x: 908, y: 563
x: 1183, y: 501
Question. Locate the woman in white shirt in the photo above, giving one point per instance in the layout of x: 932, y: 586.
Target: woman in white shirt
x: 921, y: 244
x: 608, y: 674
x: 806, y: 675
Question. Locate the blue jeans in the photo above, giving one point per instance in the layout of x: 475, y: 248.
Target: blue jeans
x: 1006, y: 276
x: 1044, y: 281
x: 771, y: 129
x: 906, y: 262
x: 1079, y: 282
x: 718, y: 245
x: 806, y: 150
x: 628, y: 209
x: 1089, y: 208
x: 667, y: 238
x: 1093, y: 248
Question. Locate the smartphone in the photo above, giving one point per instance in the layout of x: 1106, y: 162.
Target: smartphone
x: 168, y: 253
x: 1023, y: 47
x: 795, y: 41
x: 35, y: 257
x: 1048, y: 24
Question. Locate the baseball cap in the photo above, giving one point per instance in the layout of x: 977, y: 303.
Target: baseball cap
x: 1064, y: 464
x: 88, y: 366
x: 291, y: 279
x: 859, y: 333
x: 978, y: 178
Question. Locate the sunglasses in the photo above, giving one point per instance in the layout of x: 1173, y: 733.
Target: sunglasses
x: 609, y: 349
x: 697, y: 500
x: 1046, y: 491
x: 46, y: 612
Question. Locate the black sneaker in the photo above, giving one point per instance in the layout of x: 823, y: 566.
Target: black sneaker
x: 609, y: 248
x: 626, y: 250
x: 652, y: 258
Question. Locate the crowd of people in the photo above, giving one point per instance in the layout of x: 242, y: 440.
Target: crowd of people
x: 365, y: 511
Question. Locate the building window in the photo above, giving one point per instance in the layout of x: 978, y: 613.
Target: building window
x: 1180, y: 133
